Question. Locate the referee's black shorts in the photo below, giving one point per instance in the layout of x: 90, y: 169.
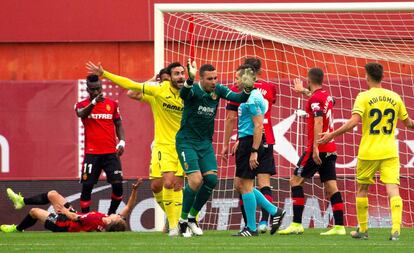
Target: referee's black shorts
x: 265, y: 158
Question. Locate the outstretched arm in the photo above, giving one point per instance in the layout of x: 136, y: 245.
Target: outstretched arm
x: 298, y: 87
x: 186, y: 92
x: 132, y: 199
x: 120, y: 80
x: 248, y: 80
x: 350, y: 124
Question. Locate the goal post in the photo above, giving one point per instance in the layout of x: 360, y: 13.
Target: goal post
x: 290, y: 38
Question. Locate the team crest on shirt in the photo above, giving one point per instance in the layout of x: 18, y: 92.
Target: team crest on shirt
x: 315, y: 107
x: 186, y: 166
x: 213, y: 95
x: 108, y: 108
x: 85, y: 176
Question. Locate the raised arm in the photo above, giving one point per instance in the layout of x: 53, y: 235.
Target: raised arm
x: 186, y: 92
x: 120, y: 80
x: 298, y: 87
x: 132, y: 199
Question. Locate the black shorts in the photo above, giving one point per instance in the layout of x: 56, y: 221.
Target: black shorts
x: 57, y: 223
x: 265, y: 158
x: 306, y: 167
x: 266, y: 161
x: 94, y: 164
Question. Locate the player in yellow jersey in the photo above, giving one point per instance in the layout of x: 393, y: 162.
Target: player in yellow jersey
x: 167, y: 107
x: 155, y: 174
x: 379, y: 109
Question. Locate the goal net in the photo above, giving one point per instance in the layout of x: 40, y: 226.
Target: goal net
x: 289, y: 39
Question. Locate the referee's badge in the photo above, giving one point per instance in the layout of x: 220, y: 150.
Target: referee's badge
x: 213, y: 95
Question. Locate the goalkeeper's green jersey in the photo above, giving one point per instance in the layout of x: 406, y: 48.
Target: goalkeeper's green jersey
x: 200, y: 109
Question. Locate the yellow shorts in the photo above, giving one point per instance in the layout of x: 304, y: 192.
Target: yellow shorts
x: 389, y: 171
x: 164, y: 158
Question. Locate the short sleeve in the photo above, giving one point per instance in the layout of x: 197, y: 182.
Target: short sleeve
x: 116, y: 114
x: 402, y: 113
x: 359, y: 106
x: 316, y: 106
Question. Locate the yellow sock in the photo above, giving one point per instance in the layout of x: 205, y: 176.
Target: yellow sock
x: 362, y: 213
x: 168, y: 198
x: 178, y: 203
x: 158, y: 198
x: 396, y: 205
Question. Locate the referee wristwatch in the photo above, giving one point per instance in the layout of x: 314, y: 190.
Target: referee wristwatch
x: 254, y: 150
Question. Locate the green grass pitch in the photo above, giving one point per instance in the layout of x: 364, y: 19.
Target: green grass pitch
x: 211, y: 241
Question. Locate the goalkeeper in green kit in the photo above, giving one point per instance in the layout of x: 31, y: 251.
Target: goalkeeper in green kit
x: 195, y: 137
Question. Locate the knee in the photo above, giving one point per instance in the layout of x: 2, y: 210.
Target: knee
x: 52, y: 194
x: 156, y: 186
x: 33, y: 212
x: 168, y: 180
x: 237, y: 186
x: 210, y: 180
x: 195, y: 182
x: 179, y: 184
x: 295, y: 181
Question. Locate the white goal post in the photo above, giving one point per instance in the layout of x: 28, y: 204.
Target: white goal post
x: 289, y: 38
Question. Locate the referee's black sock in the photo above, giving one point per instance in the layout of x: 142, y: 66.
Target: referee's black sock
x: 40, y: 199
x: 338, y: 208
x: 298, y: 198
x: 27, y: 222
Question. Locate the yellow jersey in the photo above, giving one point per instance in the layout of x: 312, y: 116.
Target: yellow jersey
x: 165, y: 102
x: 380, y: 110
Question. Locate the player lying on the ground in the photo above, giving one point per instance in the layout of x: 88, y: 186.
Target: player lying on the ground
x: 66, y: 219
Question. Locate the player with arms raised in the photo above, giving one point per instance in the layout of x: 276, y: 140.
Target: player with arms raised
x: 195, y: 137
x: 167, y: 107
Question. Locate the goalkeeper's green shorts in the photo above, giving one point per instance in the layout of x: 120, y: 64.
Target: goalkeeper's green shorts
x: 196, y: 155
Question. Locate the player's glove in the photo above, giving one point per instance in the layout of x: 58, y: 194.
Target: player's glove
x: 248, y: 79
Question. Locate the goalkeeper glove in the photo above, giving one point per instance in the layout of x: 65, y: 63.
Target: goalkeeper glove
x: 248, y: 79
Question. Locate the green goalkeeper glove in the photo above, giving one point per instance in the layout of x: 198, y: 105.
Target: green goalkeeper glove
x: 192, y: 69
x: 248, y: 79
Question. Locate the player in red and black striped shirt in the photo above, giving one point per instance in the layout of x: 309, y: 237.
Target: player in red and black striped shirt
x: 65, y: 218
x: 101, y: 119
x: 319, y: 158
